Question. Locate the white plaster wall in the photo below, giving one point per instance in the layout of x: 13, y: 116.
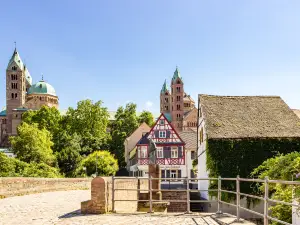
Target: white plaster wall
x: 202, y: 171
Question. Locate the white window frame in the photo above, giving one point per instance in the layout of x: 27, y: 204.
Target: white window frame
x: 174, y: 152
x: 162, y: 134
x: 144, y: 152
x: 173, y: 174
x: 160, y: 152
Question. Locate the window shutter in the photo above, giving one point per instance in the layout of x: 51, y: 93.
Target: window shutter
x: 179, y: 151
x: 165, y: 149
x: 162, y: 173
x: 168, y: 134
x: 179, y: 173
x: 168, y: 174
x: 156, y: 134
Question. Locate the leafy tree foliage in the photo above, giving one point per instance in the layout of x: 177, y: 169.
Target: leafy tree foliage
x: 107, y: 165
x: 281, y: 167
x: 7, y: 166
x: 126, y: 122
x: 89, y: 120
x: 146, y: 117
x: 46, y: 118
x: 11, y: 167
x: 33, y: 144
x: 68, y: 153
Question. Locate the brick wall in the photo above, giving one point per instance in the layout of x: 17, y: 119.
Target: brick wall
x: 13, y: 186
x: 175, y: 195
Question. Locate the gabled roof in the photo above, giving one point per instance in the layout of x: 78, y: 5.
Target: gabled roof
x: 190, y: 139
x: 167, y: 126
x: 248, y: 117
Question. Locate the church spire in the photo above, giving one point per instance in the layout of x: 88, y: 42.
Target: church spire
x: 15, y: 58
x: 176, y: 75
x: 164, y: 88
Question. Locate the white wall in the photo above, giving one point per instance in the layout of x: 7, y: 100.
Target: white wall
x: 202, y: 171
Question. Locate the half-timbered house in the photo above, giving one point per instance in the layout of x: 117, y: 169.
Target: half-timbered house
x: 170, y: 151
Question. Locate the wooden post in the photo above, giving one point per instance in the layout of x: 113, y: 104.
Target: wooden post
x: 238, y: 197
x: 113, y: 194
x: 266, y: 198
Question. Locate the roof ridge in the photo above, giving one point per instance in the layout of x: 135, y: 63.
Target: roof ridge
x: 241, y: 96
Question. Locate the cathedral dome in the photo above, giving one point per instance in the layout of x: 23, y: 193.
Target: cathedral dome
x: 42, y: 88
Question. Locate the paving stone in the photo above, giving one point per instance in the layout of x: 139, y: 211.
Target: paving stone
x: 62, y: 207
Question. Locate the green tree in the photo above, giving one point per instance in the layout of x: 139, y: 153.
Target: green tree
x: 11, y: 167
x: 281, y: 167
x: 7, y: 166
x: 68, y: 153
x: 146, y: 117
x: 89, y: 120
x: 33, y: 144
x: 46, y: 118
x: 126, y: 122
x: 40, y: 170
x: 107, y: 165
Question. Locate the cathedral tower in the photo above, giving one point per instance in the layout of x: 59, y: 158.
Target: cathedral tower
x: 177, y: 112
x: 15, y: 87
x: 165, y: 99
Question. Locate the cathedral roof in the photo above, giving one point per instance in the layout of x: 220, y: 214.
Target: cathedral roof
x: 176, y: 75
x: 42, y: 87
x: 164, y: 88
x: 17, y: 59
x: 28, y: 76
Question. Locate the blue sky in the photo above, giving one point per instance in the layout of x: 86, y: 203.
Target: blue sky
x: 120, y: 51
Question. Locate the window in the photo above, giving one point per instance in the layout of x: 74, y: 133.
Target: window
x: 162, y: 122
x: 12, y: 95
x: 193, y: 155
x: 178, y: 107
x: 173, y: 174
x: 201, y: 135
x: 143, y: 151
x: 178, y: 98
x: 160, y: 152
x: 166, y: 108
x: 166, y: 100
x: 162, y: 134
x: 14, y: 68
x: 178, y: 89
x: 174, y: 152
x: 16, y: 95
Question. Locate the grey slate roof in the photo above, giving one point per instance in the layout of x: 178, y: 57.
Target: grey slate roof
x: 248, y: 117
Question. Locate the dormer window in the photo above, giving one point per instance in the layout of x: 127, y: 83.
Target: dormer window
x: 14, y: 68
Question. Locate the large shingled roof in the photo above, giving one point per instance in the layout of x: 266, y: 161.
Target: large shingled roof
x: 248, y: 117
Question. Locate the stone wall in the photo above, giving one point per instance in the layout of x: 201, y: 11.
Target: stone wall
x: 13, y: 186
x: 175, y: 195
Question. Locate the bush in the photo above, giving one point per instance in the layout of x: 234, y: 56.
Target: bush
x: 107, y: 165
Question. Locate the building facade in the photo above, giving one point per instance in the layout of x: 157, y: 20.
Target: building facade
x: 169, y: 154
x: 178, y: 106
x: 22, y: 95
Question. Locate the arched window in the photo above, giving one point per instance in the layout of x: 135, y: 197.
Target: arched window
x: 16, y: 95
x: 12, y: 95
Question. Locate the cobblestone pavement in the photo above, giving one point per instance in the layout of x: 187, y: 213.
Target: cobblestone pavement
x: 62, y: 207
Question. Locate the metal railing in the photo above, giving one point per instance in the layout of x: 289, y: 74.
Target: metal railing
x: 266, y: 217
